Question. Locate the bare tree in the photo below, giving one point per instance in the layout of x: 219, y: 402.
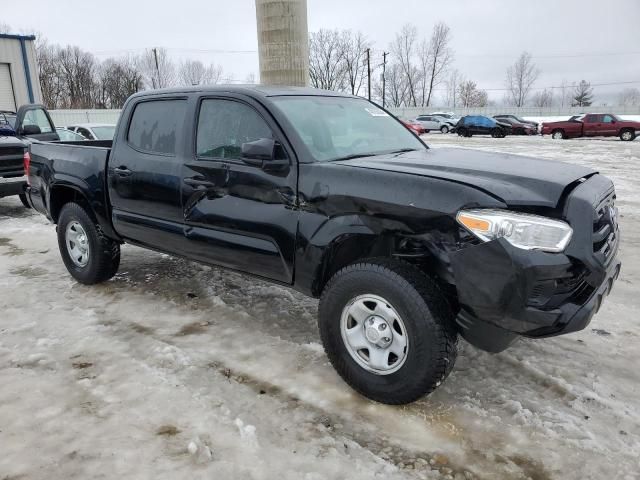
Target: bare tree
x: 404, y: 50
x: 326, y: 59
x: 470, y: 96
x: 355, y: 47
x: 118, y: 80
x: 454, y: 80
x: 158, y: 70
x: 77, y: 70
x: 520, y: 78
x: 440, y: 55
x: 250, y: 79
x: 49, y: 74
x: 397, y: 86
x: 194, y: 72
x: 629, y: 97
x: 543, y: 98
x: 583, y: 95
x: 5, y: 28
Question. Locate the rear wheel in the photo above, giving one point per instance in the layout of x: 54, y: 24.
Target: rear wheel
x: 387, y: 330
x: 90, y: 256
x: 444, y: 129
x: 557, y: 134
x: 627, y: 135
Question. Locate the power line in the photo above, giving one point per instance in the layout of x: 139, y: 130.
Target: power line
x: 560, y: 55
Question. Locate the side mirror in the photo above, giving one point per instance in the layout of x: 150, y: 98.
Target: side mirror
x: 265, y: 153
x: 260, y: 150
x: 31, y: 130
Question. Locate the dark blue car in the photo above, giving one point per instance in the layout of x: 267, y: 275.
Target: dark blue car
x: 7, y: 123
x: 480, y: 125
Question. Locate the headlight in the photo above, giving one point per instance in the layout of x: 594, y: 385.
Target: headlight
x: 531, y: 232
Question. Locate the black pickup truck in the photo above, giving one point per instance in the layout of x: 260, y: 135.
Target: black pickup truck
x: 406, y: 246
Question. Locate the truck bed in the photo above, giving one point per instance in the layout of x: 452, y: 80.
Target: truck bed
x: 79, y: 165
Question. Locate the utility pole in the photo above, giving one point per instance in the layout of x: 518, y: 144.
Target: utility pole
x: 368, y: 74
x: 384, y: 82
x: 155, y: 55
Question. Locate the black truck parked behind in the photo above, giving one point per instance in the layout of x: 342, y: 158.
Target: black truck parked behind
x: 407, y: 247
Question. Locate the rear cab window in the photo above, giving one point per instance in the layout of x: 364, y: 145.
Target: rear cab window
x: 154, y: 126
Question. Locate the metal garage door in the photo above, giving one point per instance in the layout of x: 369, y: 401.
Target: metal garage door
x: 7, y: 100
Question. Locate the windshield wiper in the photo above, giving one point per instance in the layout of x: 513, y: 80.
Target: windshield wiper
x: 354, y: 155
x: 403, y: 150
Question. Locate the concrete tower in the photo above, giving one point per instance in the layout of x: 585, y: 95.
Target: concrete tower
x: 283, y: 42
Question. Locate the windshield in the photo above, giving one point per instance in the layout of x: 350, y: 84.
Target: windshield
x: 334, y: 128
x: 8, y: 119
x: 104, y: 133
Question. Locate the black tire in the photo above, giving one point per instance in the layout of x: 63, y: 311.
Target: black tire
x: 427, y: 316
x: 23, y: 199
x: 444, y: 129
x: 558, y: 134
x: 627, y: 135
x: 104, y: 253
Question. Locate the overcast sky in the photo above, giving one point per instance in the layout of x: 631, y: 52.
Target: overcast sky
x: 595, y: 40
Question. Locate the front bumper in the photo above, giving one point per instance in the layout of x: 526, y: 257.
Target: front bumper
x: 505, y: 292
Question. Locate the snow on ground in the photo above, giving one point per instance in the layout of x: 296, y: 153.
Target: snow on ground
x: 176, y: 370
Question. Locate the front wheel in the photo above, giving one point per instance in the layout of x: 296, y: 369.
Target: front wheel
x: 90, y: 256
x: 387, y: 330
x: 557, y: 135
x: 444, y: 129
x: 627, y: 135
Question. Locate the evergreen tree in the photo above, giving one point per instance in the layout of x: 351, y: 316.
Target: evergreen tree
x: 583, y: 95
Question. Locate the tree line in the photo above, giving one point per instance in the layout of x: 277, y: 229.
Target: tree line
x: 413, y: 69
x: 73, y: 78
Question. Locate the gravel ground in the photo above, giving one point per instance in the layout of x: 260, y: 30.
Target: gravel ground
x: 176, y: 370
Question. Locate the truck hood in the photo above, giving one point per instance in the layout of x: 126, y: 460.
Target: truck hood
x: 514, y: 179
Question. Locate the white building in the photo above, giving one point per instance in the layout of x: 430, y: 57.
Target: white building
x: 18, y: 72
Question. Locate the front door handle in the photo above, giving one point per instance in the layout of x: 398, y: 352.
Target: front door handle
x: 122, y: 171
x: 196, y: 183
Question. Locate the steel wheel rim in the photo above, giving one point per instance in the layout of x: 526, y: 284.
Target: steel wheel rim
x: 374, y: 334
x: 626, y: 135
x: 77, y: 244
x: 557, y: 135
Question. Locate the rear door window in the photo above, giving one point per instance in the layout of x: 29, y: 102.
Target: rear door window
x: 154, y: 126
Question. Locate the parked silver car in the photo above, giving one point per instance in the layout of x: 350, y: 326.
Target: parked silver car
x: 432, y: 122
x: 94, y: 131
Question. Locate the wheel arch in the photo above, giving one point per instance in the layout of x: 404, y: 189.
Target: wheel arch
x: 62, y: 193
x: 425, y: 250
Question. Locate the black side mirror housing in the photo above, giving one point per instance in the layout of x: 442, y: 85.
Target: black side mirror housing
x: 264, y: 153
x: 31, y: 130
x: 262, y: 149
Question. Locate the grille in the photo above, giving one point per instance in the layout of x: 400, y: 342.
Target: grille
x: 605, y: 228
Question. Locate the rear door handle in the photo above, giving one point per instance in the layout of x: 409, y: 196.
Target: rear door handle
x: 196, y: 183
x: 122, y: 171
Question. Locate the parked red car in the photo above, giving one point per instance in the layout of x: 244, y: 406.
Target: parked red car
x: 519, y: 128
x: 593, y: 125
x: 414, y: 126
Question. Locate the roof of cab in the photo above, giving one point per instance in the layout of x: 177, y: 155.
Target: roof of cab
x: 251, y: 90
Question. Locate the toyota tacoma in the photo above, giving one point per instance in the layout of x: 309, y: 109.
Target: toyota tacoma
x: 406, y: 247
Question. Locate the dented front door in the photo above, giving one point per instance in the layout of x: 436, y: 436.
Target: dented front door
x: 236, y: 214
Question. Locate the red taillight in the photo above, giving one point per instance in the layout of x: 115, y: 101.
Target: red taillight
x: 26, y: 159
